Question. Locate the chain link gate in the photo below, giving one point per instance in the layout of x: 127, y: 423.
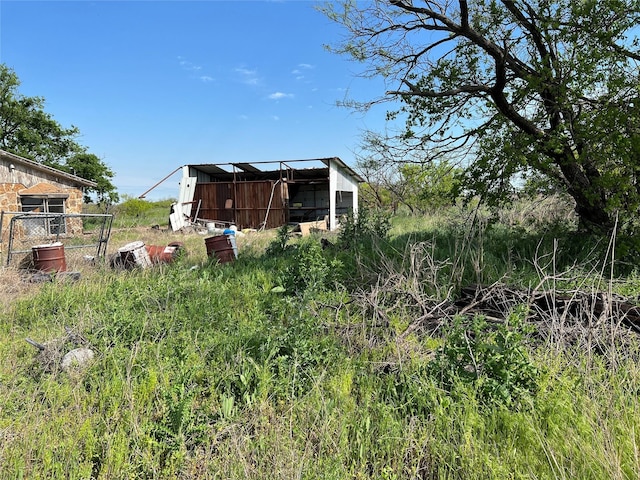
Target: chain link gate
x: 26, y: 230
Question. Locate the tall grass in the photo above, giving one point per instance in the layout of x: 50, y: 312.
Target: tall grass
x: 303, y: 363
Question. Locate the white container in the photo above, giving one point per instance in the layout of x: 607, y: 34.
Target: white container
x: 134, y: 254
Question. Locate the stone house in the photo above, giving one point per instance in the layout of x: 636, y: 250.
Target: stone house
x: 28, y: 186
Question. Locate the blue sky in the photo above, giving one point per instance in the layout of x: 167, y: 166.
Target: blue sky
x: 153, y: 85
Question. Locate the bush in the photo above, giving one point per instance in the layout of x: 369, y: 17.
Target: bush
x: 133, y: 207
x: 363, y: 228
x: 279, y: 244
x: 493, y: 360
x: 311, y: 271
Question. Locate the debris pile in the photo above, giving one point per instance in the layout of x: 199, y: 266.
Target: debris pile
x: 138, y: 255
x: 72, y: 351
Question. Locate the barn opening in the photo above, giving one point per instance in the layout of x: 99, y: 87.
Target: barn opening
x: 267, y: 194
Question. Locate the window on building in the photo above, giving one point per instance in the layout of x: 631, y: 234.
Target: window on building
x: 51, y: 225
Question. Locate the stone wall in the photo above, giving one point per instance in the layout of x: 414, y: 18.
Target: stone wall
x: 9, y: 196
x: 16, y: 177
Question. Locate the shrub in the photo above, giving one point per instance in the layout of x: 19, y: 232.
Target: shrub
x: 368, y: 225
x: 280, y: 243
x: 494, y: 360
x: 311, y: 271
x: 134, y: 207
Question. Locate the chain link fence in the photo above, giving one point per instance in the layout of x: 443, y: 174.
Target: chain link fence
x: 84, y: 236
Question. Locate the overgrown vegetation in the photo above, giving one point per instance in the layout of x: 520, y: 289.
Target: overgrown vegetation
x: 352, y: 357
x: 494, y: 361
x: 544, y: 92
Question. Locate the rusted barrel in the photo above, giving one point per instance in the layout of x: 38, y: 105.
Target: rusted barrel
x: 49, y: 258
x: 220, y: 247
x: 162, y: 254
x: 134, y: 254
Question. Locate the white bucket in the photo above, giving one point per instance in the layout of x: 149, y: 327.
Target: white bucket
x: 134, y: 254
x: 211, y: 228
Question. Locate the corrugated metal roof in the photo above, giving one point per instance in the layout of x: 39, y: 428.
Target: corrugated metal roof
x: 50, y: 170
x: 275, y: 166
x: 343, y: 165
x: 247, y: 167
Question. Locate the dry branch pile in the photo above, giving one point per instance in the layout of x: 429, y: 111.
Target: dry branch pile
x: 556, y: 314
x: 567, y: 317
x: 422, y: 289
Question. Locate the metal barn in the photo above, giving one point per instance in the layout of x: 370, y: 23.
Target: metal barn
x: 267, y: 194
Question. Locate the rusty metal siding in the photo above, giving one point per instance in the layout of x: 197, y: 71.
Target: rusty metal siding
x: 249, y: 203
x: 212, y: 197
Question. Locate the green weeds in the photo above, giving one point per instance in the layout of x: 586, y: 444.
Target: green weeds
x: 492, y: 359
x: 358, y: 231
x: 307, y: 362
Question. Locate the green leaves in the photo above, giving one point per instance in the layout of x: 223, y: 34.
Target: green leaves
x: 429, y: 186
x: 90, y: 167
x: 311, y: 271
x: 513, y: 87
x: 27, y: 130
x: 493, y: 359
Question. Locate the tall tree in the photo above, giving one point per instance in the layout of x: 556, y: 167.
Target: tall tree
x: 27, y: 130
x: 513, y: 87
x: 89, y: 166
x: 405, y: 178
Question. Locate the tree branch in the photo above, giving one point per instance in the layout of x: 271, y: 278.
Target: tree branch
x: 464, y: 15
x: 417, y: 92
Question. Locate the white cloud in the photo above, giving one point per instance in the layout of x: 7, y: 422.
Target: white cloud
x: 280, y: 95
x: 299, y: 70
x: 187, y: 65
x: 246, y: 71
x: 194, y: 69
x: 249, y: 77
x: 275, y: 118
x: 298, y: 74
